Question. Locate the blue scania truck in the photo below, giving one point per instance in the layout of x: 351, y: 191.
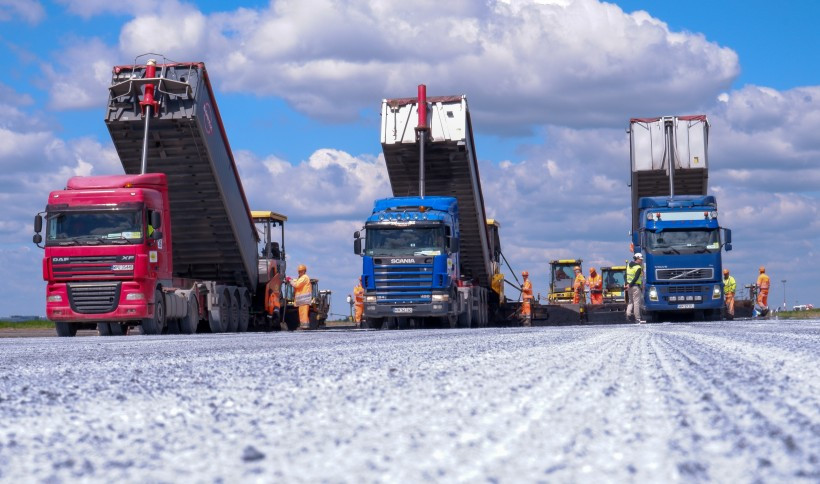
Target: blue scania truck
x: 674, y: 222
x: 430, y: 255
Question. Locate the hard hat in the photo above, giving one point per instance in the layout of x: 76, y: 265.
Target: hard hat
x: 638, y: 255
x: 726, y: 271
x: 525, y: 273
x: 576, y: 268
x: 301, y: 268
x: 762, y: 269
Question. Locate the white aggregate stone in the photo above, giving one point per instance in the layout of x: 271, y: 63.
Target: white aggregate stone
x: 724, y: 402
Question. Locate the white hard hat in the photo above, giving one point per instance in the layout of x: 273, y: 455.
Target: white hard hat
x: 638, y: 255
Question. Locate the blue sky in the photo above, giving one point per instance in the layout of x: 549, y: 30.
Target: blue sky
x: 551, y: 86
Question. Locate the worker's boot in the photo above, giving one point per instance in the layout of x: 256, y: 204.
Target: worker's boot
x: 304, y: 326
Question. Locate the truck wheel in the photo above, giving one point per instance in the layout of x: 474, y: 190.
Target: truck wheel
x: 154, y: 325
x: 188, y: 324
x: 219, y: 316
x: 390, y: 323
x: 244, y: 310
x: 464, y: 319
x: 118, y: 329
x: 233, y: 319
x: 104, y: 329
x: 65, y: 329
x: 372, y: 323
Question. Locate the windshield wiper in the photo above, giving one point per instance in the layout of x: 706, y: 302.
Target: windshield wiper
x: 671, y: 250
x: 91, y: 238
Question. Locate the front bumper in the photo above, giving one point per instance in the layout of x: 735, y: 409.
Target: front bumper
x: 435, y: 309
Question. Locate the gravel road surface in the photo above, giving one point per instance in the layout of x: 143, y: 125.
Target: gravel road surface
x: 725, y: 402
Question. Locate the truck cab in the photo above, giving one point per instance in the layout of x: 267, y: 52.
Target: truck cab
x: 410, y: 258
x: 106, y: 248
x: 681, y: 240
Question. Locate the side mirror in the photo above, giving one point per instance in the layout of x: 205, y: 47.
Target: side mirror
x: 727, y: 237
x: 38, y: 223
x: 454, y: 244
x: 728, y: 247
x: 156, y: 220
x: 357, y: 246
x: 37, y: 239
x: 356, y: 235
x: 156, y: 235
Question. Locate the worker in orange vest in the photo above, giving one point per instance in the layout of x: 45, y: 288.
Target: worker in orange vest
x: 596, y: 287
x: 272, y: 302
x: 302, y: 296
x: 526, y: 299
x: 763, y: 288
x: 358, y: 298
x: 578, y: 287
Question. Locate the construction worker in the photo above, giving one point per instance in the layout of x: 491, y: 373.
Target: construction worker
x: 302, y: 295
x: 526, y: 299
x: 729, y: 287
x: 634, y: 272
x: 578, y: 287
x: 596, y: 287
x: 763, y: 289
x: 358, y: 296
x: 273, y: 305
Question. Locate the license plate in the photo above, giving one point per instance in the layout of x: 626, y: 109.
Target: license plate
x: 686, y: 306
x: 402, y: 310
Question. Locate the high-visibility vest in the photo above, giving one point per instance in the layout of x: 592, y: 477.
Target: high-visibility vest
x: 596, y: 284
x: 729, y: 285
x: 526, y: 291
x: 358, y: 295
x: 763, y: 282
x: 633, y: 274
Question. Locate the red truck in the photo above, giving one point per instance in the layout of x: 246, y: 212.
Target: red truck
x: 170, y: 246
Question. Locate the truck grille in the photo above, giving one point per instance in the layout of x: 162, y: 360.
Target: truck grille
x: 403, y: 283
x: 706, y: 273
x: 686, y: 289
x: 94, y: 298
x: 90, y: 267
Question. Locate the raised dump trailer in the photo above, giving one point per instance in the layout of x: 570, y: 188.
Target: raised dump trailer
x: 431, y: 253
x: 674, y: 221
x: 214, y: 234
x: 171, y: 243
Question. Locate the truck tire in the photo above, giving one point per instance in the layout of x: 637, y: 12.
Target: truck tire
x: 464, y: 319
x: 155, y: 324
x: 233, y: 319
x: 244, y: 301
x: 219, y: 316
x: 118, y: 329
x: 65, y: 330
x: 188, y: 324
x: 372, y: 323
x: 104, y: 329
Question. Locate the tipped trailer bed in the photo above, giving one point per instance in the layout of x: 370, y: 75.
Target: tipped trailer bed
x: 451, y: 169
x: 215, y: 238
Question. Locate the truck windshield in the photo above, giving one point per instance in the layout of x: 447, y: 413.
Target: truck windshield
x: 94, y: 227
x: 680, y: 241
x: 404, y: 241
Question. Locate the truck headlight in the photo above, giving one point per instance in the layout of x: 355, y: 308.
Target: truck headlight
x: 370, y: 299
x: 441, y: 297
x: 55, y: 298
x: 653, y: 293
x: 716, y: 292
x: 135, y: 296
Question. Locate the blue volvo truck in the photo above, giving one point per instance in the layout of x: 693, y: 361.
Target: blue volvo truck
x: 430, y: 255
x: 674, y: 222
